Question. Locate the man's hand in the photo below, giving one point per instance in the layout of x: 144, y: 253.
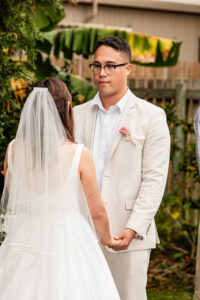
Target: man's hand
x: 111, y: 242
x: 126, y: 236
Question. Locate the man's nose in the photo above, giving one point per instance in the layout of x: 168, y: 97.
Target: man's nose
x: 102, y: 72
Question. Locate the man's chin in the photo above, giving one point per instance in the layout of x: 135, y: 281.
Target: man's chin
x: 104, y: 94
x: 105, y: 91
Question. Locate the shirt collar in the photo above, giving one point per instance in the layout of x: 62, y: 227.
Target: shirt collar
x: 120, y: 104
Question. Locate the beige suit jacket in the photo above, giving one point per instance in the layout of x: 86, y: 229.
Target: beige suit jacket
x: 135, y: 176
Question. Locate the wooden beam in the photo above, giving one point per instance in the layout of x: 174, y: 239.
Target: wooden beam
x: 154, y: 93
x: 179, y: 138
x: 185, y: 6
x: 197, y: 274
x: 193, y: 94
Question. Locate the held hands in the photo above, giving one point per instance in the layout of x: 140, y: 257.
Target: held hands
x: 124, y: 238
x: 110, y: 242
x: 120, y: 241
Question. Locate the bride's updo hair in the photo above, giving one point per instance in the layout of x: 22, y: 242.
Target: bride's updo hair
x: 63, y: 101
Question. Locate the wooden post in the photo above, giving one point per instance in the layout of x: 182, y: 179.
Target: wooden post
x: 197, y: 274
x: 180, y: 104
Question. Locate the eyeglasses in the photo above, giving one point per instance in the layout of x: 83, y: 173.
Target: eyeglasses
x: 96, y: 68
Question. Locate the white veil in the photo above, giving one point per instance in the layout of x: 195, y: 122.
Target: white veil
x: 39, y: 161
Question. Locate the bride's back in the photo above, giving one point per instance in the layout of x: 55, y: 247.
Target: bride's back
x: 53, y: 188
x: 42, y: 182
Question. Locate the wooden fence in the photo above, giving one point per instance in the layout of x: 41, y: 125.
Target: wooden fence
x: 146, y: 77
x: 186, y: 101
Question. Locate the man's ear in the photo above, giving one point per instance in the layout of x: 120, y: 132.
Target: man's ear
x: 129, y: 68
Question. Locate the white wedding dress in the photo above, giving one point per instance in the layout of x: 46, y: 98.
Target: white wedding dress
x: 57, y: 257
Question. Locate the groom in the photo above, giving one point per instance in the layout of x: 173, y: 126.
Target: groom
x: 129, y: 140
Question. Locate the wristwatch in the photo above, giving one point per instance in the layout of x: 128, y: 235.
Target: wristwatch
x: 137, y: 236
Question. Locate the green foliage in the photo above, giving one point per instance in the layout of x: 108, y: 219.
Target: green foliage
x: 146, y: 50
x: 173, y: 122
x: 48, y: 14
x: 9, y: 119
x: 86, y: 90
x: 168, y: 295
x: 20, y: 21
x: 80, y: 89
x: 17, y: 35
x: 173, y: 262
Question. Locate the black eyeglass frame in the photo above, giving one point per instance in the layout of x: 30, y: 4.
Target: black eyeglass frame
x: 114, y: 66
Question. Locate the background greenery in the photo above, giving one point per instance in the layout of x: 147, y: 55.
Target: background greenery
x: 169, y: 295
x: 25, y: 33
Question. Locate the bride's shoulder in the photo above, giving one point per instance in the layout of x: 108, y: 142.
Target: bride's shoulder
x: 10, y: 146
x: 85, y: 153
x: 86, y: 157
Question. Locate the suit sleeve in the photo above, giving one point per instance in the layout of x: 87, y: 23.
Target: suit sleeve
x: 78, y: 125
x: 154, y: 174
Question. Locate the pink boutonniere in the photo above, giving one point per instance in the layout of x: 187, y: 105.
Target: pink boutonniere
x: 125, y: 132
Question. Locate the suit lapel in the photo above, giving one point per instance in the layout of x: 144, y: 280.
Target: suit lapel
x: 90, y: 126
x: 125, y: 121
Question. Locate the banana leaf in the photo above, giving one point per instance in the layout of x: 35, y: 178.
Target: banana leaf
x: 57, y: 45
x: 92, y: 40
x: 78, y: 36
x: 86, y: 44
x: 102, y: 33
x: 146, y: 50
x: 46, y: 42
x: 86, y: 89
x: 46, y: 15
x: 67, y: 44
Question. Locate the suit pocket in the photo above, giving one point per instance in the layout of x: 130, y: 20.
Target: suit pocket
x: 138, y: 140
x: 129, y: 204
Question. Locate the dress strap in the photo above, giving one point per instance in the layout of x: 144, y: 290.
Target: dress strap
x: 77, y: 156
x: 10, y: 165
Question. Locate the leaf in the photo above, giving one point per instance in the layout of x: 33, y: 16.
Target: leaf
x: 83, y: 87
x: 46, y: 42
x: 44, y: 68
x: 93, y: 39
x: 78, y: 40
x: 57, y: 45
x: 176, y: 215
x: 47, y: 15
x: 86, y: 42
x: 41, y: 20
x: 67, y: 43
x: 146, y: 50
x: 102, y: 33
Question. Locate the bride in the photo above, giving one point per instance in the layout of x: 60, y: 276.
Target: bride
x: 50, y: 206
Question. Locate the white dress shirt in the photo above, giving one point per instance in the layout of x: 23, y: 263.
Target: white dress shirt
x: 106, y: 125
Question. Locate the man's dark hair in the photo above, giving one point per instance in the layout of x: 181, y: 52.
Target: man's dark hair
x: 116, y: 43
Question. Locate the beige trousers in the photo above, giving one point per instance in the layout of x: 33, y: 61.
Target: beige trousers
x: 129, y: 270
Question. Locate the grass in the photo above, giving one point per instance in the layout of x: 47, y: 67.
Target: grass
x: 169, y: 295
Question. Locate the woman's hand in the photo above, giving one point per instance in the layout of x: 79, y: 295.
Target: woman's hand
x: 110, y: 242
